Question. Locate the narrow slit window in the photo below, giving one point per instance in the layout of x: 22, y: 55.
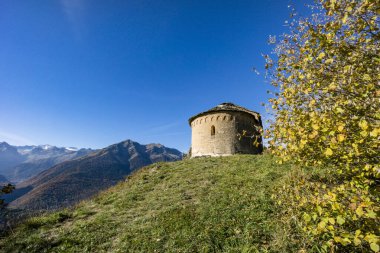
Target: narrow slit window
x: 212, y: 130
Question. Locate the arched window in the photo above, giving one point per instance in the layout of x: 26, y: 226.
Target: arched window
x: 212, y: 130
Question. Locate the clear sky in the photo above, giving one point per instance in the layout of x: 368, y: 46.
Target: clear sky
x: 90, y: 73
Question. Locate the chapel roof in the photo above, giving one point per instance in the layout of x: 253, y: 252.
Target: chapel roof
x: 223, y: 107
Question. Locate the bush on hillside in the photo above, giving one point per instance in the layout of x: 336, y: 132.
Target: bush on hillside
x: 326, y: 72
x: 5, y: 189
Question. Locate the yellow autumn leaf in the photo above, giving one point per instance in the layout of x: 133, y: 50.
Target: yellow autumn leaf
x: 366, y: 77
x: 341, y: 137
x: 340, y: 220
x: 337, y: 239
x: 315, y: 126
x: 321, y: 55
x: 371, y: 214
x: 363, y: 124
x: 307, y: 217
x: 328, y: 152
x: 321, y: 225
x: 359, y: 211
x: 332, y: 86
x: 374, y: 132
x: 374, y: 247
x: 344, y: 19
x: 357, y: 241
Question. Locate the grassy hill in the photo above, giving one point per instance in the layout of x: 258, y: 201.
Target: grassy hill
x: 199, y: 205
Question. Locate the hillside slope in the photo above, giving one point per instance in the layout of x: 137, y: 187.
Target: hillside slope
x: 198, y: 205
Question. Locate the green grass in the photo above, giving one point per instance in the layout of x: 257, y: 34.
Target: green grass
x: 199, y: 205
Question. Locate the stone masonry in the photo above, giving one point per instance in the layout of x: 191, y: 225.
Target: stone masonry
x: 226, y: 129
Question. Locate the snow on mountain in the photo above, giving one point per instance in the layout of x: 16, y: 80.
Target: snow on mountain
x: 72, y: 149
x: 46, y: 147
x: 19, y: 163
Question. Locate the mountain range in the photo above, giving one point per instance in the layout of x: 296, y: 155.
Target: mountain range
x: 19, y: 163
x: 73, y: 180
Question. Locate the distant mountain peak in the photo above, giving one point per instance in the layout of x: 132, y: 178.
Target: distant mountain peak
x: 127, y: 141
x: 4, y: 145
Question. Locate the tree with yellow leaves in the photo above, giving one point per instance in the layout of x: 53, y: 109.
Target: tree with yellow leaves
x: 326, y: 72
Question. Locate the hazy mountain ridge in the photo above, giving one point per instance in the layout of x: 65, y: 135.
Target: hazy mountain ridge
x: 18, y: 163
x: 71, y: 181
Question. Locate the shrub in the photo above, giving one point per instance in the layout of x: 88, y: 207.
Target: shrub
x: 326, y: 71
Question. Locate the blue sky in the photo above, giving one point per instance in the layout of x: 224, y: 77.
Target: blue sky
x: 90, y: 73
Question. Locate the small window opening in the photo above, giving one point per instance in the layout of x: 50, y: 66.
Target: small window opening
x: 212, y: 130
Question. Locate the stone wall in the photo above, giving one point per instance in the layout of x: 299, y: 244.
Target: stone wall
x: 225, y: 140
